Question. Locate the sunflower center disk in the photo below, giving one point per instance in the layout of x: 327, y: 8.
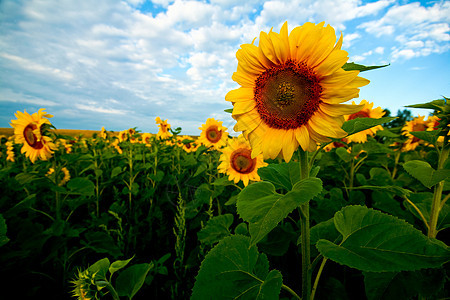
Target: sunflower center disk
x: 31, y: 138
x: 242, y: 162
x: 419, y: 127
x: 359, y: 114
x: 287, y: 95
x: 213, y: 134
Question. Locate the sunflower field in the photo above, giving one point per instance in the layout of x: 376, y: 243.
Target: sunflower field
x: 317, y: 198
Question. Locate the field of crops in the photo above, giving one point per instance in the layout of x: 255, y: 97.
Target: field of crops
x: 316, y: 199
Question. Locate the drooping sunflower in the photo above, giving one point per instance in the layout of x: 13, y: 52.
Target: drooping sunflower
x: 292, y: 87
x: 416, y: 124
x: 29, y: 131
x: 164, y: 127
x: 213, y: 134
x: 237, y: 162
x: 366, y: 112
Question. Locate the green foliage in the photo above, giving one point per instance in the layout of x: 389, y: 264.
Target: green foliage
x: 235, y: 269
x: 360, y: 124
x: 216, y: 229
x: 423, y: 172
x: 3, y: 238
x: 261, y: 206
x: 353, y: 66
x: 130, y: 281
x: 377, y: 242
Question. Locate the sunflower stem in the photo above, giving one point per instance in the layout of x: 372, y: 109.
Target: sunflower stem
x: 437, y: 195
x: 304, y: 220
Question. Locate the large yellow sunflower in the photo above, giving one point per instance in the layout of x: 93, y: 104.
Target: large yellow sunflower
x: 237, y: 162
x: 365, y: 112
x: 416, y: 124
x: 291, y: 89
x: 164, y: 127
x: 213, y: 134
x: 29, y: 131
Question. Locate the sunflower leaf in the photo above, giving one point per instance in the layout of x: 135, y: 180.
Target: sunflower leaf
x: 283, y: 175
x: 352, y: 67
x: 235, y: 269
x: 428, y: 136
x: 423, y: 172
x: 435, y: 104
x: 377, y: 242
x: 216, y: 229
x: 228, y: 110
x: 263, y: 208
x: 360, y: 124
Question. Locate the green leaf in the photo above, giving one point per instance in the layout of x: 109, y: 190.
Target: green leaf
x: 81, y: 186
x: 343, y: 154
x: 387, y: 133
x: 423, y: 172
x: 119, y: 264
x: 234, y: 269
x: 435, y: 104
x: 428, y: 136
x: 261, y: 206
x: 360, y: 124
x: 283, y: 175
x: 3, y: 238
x: 216, y: 229
x: 377, y: 242
x: 352, y: 66
x: 116, y: 171
x: 131, y: 279
x: 100, y: 268
x: 228, y: 110
x: 223, y: 181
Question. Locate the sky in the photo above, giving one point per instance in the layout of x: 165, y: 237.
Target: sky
x: 120, y: 64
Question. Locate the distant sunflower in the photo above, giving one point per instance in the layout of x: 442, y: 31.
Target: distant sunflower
x: 365, y: 112
x: 417, y: 124
x: 29, y: 131
x: 123, y: 135
x: 291, y: 89
x: 10, y: 151
x: 213, y: 134
x: 103, y: 133
x: 146, y: 138
x: 236, y: 161
x: 188, y: 144
x: 164, y: 127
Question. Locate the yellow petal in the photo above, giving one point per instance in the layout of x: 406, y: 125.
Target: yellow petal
x: 240, y: 94
x: 302, y: 136
x: 290, y: 144
x: 266, y: 47
x: 332, y: 63
x: 335, y: 110
x: 242, y: 107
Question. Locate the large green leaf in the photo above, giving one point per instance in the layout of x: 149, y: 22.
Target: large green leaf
x: 234, y: 269
x: 283, y: 175
x: 435, y: 104
x: 261, y: 206
x: 100, y: 268
x: 131, y: 279
x: 377, y: 242
x: 423, y: 172
x: 352, y: 66
x: 217, y: 228
x: 428, y: 136
x: 360, y: 124
x: 81, y: 186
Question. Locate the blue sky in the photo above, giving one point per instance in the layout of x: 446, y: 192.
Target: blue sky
x: 120, y: 64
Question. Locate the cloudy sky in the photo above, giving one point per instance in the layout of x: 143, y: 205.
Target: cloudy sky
x: 120, y: 64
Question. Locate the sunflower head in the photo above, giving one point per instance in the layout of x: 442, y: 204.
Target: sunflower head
x: 213, y: 134
x: 416, y: 124
x: 188, y: 144
x: 292, y: 87
x: 146, y: 138
x: 123, y: 135
x: 236, y: 161
x: 103, y: 133
x: 84, y: 286
x: 30, y: 131
x: 366, y: 112
x: 163, y: 132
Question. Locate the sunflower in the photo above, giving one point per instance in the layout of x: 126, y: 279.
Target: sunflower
x: 213, y: 134
x: 103, y: 133
x: 164, y: 127
x: 187, y: 143
x: 416, y: 124
x: 291, y: 89
x: 10, y: 151
x: 237, y: 162
x: 365, y: 112
x: 146, y: 138
x: 29, y: 131
x: 123, y: 135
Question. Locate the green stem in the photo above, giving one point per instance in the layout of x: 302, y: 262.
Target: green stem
x: 316, y: 282
x: 437, y: 195
x: 304, y: 220
x: 288, y: 289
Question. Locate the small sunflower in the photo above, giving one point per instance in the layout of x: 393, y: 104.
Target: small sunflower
x: 292, y: 87
x: 237, y: 162
x: 123, y: 135
x: 416, y: 124
x: 188, y: 144
x: 164, y: 127
x: 213, y: 134
x: 29, y: 131
x: 84, y: 286
x: 10, y: 151
x: 146, y: 138
x: 365, y: 112
x: 103, y: 133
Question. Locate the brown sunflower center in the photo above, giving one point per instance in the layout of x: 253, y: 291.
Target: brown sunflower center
x: 31, y: 139
x: 287, y: 95
x: 213, y: 134
x: 419, y: 127
x: 359, y: 114
x: 242, y: 162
